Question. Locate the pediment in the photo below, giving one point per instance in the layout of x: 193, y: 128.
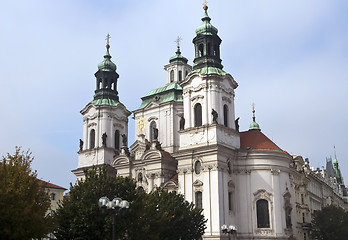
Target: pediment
x: 121, y: 160
x: 197, y: 183
x: 170, y: 185
x: 151, y: 105
x: 152, y: 154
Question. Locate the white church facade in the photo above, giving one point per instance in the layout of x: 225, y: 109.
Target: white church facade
x: 187, y: 139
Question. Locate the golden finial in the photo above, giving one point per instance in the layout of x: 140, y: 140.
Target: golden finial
x: 178, y: 39
x: 108, y: 41
x: 205, y: 7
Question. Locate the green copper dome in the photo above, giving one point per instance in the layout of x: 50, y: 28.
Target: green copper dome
x: 107, y: 64
x: 206, y: 28
x: 254, y: 126
x: 178, y: 57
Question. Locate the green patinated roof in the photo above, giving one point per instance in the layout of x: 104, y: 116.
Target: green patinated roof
x: 105, y: 101
x: 107, y: 64
x: 172, y: 92
x: 206, y: 28
x: 178, y: 58
x: 254, y: 126
x: 209, y: 70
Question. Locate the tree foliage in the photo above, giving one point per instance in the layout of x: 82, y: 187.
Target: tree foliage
x: 330, y: 224
x: 159, y: 215
x: 23, y: 204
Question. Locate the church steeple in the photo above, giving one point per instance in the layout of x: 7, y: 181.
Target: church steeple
x: 106, y: 77
x: 207, y: 44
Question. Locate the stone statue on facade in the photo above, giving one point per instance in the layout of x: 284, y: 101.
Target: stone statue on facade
x: 124, y: 140
x: 81, y: 145
x: 182, y: 123
x: 237, y: 124
x: 104, y: 136
x: 215, y: 115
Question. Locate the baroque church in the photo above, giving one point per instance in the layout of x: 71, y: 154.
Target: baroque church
x: 187, y: 139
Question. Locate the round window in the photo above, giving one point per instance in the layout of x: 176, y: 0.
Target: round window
x: 198, y: 166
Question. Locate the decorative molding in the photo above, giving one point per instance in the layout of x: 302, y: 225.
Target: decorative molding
x: 118, y: 125
x: 224, y: 98
x: 198, y: 183
x: 196, y: 98
x: 152, y: 118
x: 275, y: 171
x: 92, y: 124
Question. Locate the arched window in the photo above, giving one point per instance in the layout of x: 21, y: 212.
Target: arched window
x: 198, y: 199
x: 262, y: 213
x: 172, y: 76
x: 180, y: 76
x: 200, y: 50
x: 92, y: 139
x: 198, y: 114
x: 117, y: 139
x: 152, y: 130
x: 226, y: 115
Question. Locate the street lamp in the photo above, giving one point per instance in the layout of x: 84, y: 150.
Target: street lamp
x: 113, y: 206
x: 228, y: 229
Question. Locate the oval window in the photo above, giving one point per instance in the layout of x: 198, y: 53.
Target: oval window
x: 198, y: 167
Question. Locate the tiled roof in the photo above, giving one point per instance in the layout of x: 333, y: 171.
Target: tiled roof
x: 49, y: 185
x: 255, y: 140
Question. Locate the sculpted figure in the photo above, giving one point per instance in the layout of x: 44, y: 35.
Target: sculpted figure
x: 215, y: 115
x: 182, y: 123
x: 104, y: 136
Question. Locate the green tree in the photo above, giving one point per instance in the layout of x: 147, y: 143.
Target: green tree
x: 23, y: 204
x: 159, y: 215
x: 330, y: 224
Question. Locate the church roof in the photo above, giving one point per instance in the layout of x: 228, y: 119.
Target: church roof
x: 256, y: 141
x: 171, y: 92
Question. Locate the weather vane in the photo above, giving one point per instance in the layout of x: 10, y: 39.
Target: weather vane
x: 178, y: 39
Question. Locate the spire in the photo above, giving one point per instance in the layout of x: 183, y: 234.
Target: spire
x: 106, y: 77
x: 337, y: 169
x: 254, y: 125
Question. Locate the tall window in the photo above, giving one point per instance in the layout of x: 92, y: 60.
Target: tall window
x: 140, y: 177
x: 302, y: 199
x: 53, y: 196
x: 92, y: 139
x: 225, y: 115
x: 172, y: 76
x: 198, y: 199
x: 152, y: 130
x: 262, y: 213
x: 230, y: 202
x: 198, y: 114
x: 200, y: 50
x: 180, y: 76
x: 117, y: 139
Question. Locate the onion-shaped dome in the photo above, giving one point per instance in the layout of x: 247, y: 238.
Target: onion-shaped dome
x: 206, y: 28
x: 107, y: 64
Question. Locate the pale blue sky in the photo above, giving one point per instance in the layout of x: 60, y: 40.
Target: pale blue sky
x: 289, y: 57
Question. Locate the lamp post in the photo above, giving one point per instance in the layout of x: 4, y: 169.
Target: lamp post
x: 113, y: 206
x: 228, y: 230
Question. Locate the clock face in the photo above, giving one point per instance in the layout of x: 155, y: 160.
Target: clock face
x: 141, y: 125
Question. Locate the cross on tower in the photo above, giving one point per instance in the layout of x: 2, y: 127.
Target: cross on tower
x: 107, y: 39
x: 178, y: 39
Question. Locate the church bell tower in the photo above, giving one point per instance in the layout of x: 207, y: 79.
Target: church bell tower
x: 105, y: 120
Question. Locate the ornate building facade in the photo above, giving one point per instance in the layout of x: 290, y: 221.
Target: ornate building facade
x: 187, y: 139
